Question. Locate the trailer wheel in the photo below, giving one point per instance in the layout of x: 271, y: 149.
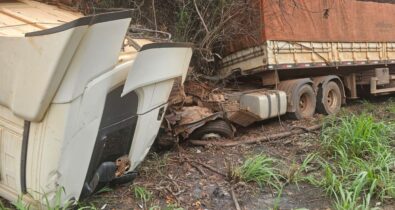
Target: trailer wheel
x: 329, y: 98
x: 213, y: 130
x: 304, y: 102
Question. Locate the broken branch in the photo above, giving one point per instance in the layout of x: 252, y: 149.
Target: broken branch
x: 208, y: 167
x: 235, y: 199
x: 198, y: 168
x: 256, y: 140
x: 200, y: 17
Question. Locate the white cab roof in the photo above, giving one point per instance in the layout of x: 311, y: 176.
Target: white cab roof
x: 18, y: 17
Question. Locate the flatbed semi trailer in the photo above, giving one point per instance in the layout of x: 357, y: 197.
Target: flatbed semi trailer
x: 316, y: 52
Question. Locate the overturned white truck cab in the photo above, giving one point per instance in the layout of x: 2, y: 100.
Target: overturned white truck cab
x: 69, y: 106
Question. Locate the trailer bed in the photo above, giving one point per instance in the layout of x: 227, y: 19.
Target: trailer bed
x: 312, y: 34
x: 293, y: 55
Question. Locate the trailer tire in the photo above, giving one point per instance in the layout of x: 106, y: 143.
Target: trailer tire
x: 304, y: 102
x: 216, y: 128
x: 329, y: 98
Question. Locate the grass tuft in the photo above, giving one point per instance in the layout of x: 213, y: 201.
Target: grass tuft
x: 2, y: 207
x: 356, y: 136
x: 391, y: 106
x: 259, y: 169
x: 358, y: 161
x: 142, y: 194
x: 53, y: 204
x: 297, y: 173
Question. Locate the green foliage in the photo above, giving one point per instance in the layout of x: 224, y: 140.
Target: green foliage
x: 55, y: 204
x: 2, y: 207
x: 195, y: 17
x: 349, y: 192
x: 168, y: 207
x: 368, y: 106
x: 141, y: 193
x: 295, y: 176
x: 104, y: 190
x: 211, y: 26
x: 160, y: 161
x: 355, y: 136
x: 350, y: 198
x: 173, y: 207
x: 278, y: 199
x: 58, y: 204
x: 20, y: 205
x: 184, y: 18
x: 391, y: 106
x: 259, y: 169
x: 91, y: 207
x: 358, y: 160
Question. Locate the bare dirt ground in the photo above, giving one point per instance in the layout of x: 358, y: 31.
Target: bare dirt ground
x: 191, y: 177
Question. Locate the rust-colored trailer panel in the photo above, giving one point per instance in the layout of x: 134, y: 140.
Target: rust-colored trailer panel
x: 300, y: 34
x: 317, y: 21
x: 328, y: 20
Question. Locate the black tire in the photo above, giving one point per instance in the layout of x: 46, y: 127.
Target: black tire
x: 304, y: 102
x: 329, y: 98
x: 219, y: 127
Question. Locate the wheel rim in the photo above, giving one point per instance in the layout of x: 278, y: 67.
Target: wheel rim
x: 211, y: 136
x: 303, y: 102
x: 332, y: 100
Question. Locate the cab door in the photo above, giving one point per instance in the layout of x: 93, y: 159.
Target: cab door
x: 152, y: 77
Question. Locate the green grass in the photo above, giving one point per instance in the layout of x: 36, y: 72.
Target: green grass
x: 57, y: 204
x: 173, y: 207
x: 368, y: 106
x: 142, y: 194
x: 20, y: 205
x: 357, y: 161
x: 297, y: 173
x: 154, y: 164
x: 348, y: 191
x: 2, y: 207
x: 351, y: 198
x: 356, y: 136
x: 391, y: 106
x: 259, y: 169
x: 54, y: 204
x: 168, y: 207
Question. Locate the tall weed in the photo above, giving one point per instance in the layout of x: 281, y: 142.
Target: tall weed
x: 259, y: 169
x: 358, y: 160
